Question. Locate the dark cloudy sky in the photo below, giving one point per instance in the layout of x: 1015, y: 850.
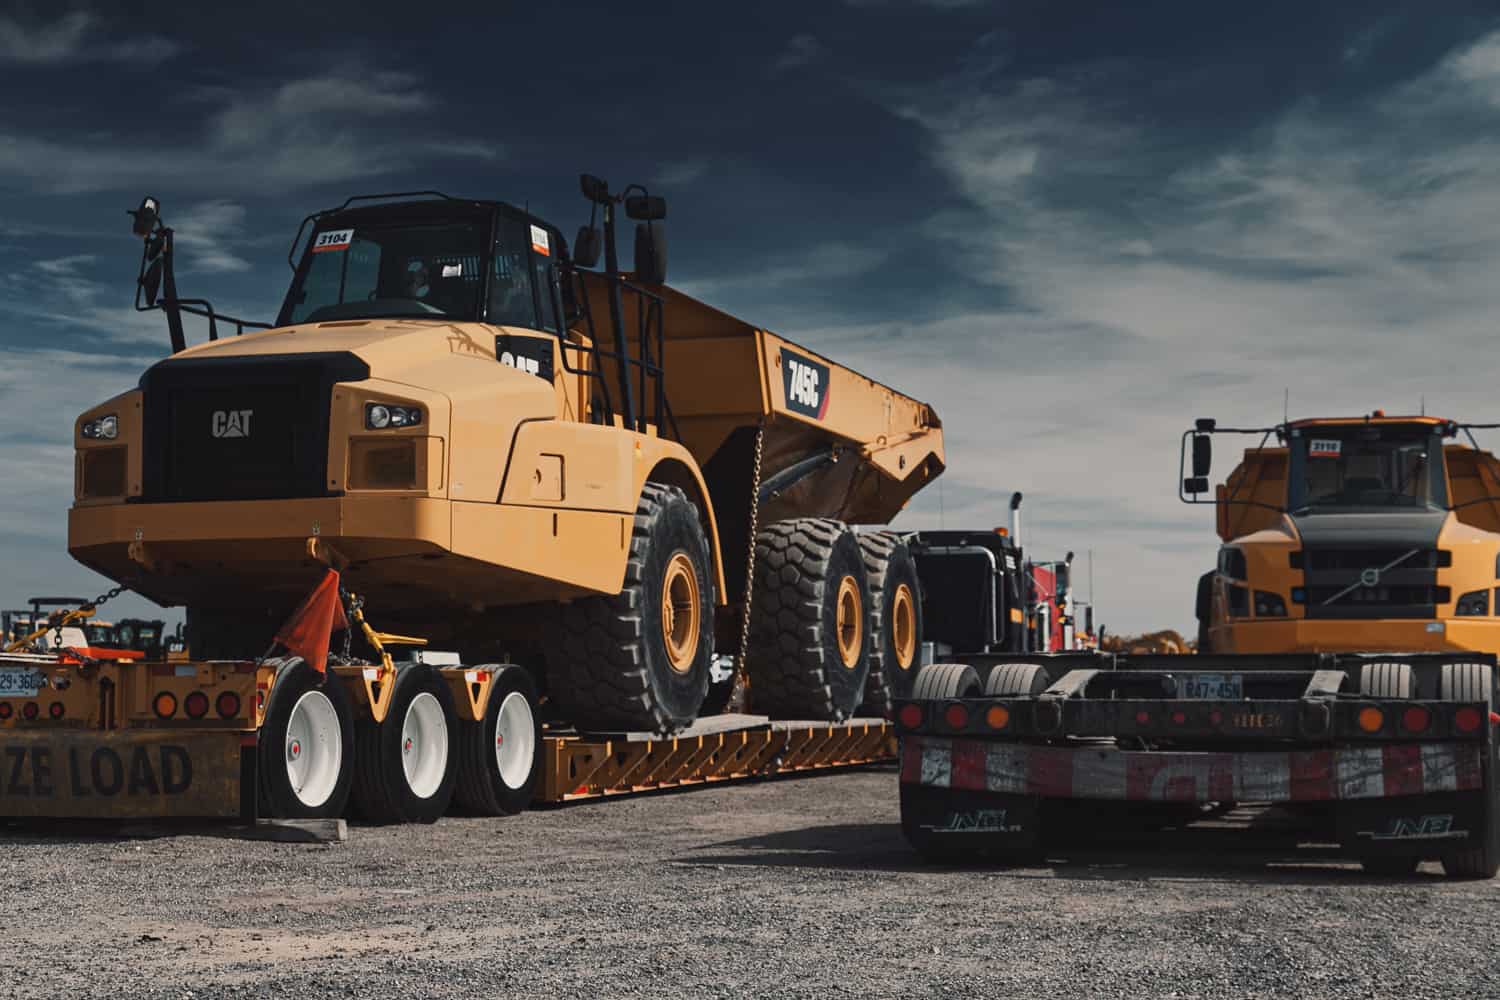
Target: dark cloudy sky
x: 1072, y: 227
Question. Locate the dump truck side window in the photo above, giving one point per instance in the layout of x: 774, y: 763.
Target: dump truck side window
x: 511, y: 300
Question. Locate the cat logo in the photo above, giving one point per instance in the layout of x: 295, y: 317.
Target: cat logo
x: 231, y: 423
x: 806, y: 385
x: 532, y: 355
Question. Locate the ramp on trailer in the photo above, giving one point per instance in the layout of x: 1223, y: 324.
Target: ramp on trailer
x: 721, y: 748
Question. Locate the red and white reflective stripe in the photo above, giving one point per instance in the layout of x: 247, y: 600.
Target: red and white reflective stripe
x: 1271, y: 776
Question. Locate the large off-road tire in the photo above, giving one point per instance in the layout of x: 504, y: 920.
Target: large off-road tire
x: 809, y: 622
x: 895, y: 620
x: 1470, y: 682
x: 638, y: 661
x: 306, y: 747
x: 405, y: 765
x: 499, y: 757
x: 946, y: 681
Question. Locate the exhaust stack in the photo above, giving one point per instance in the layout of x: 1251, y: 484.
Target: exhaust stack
x: 1015, y: 517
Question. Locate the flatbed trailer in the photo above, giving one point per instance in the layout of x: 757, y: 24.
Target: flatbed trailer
x: 1391, y: 756
x: 129, y: 740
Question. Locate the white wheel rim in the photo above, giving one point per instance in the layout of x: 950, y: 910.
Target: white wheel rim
x: 314, y: 751
x: 424, y: 745
x: 515, y: 740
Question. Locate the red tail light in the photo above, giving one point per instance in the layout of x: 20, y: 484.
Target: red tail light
x: 956, y: 716
x: 55, y: 710
x: 1142, y: 717
x: 195, y: 705
x: 1467, y: 720
x: 1179, y: 718
x: 6, y: 711
x: 29, y: 711
x: 910, y: 716
x: 1416, y: 719
x: 227, y: 705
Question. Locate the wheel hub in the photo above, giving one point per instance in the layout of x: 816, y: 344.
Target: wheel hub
x: 681, y: 612
x: 849, y: 621
x: 904, y: 627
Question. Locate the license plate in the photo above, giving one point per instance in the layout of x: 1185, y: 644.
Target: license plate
x: 20, y: 682
x: 1211, y: 687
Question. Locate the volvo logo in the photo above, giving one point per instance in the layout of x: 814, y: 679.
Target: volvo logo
x: 1370, y: 577
x: 231, y: 423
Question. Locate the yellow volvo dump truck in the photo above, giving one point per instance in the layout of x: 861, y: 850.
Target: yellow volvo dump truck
x: 1346, y: 671
x: 518, y: 454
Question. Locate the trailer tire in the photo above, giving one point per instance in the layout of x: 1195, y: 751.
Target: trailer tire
x: 1470, y: 682
x: 1387, y: 680
x: 405, y: 765
x: 809, y: 650
x: 895, y: 620
x: 1011, y: 679
x: 499, y: 757
x: 305, y: 753
x: 639, y: 660
x: 946, y: 681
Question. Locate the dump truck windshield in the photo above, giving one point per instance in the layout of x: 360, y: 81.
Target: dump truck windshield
x: 418, y: 269
x: 1366, y: 467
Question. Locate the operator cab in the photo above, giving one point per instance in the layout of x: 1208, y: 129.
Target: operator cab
x: 1375, y: 466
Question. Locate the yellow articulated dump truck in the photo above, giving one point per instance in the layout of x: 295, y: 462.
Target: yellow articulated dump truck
x: 620, y: 500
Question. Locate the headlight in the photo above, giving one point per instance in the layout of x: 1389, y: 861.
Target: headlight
x: 102, y: 427
x: 1475, y: 602
x: 379, y: 416
x: 1269, y: 605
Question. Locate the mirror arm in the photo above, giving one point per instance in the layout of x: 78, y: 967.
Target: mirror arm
x: 169, y: 304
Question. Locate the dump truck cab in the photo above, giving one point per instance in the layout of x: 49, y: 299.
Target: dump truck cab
x: 1353, y: 534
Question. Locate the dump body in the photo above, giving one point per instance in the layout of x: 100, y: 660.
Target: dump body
x: 1386, y: 777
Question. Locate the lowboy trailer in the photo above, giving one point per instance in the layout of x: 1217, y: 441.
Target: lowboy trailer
x: 1391, y: 756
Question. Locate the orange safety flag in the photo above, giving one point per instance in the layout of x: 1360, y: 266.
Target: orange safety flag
x: 320, y: 614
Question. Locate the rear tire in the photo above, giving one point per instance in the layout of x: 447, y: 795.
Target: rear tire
x: 305, y: 754
x: 945, y: 682
x: 405, y: 770
x: 499, y: 757
x: 1387, y: 680
x: 895, y: 620
x: 809, y: 650
x: 638, y: 661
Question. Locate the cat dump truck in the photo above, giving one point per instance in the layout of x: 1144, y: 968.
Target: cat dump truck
x: 520, y: 456
x: 1346, y: 672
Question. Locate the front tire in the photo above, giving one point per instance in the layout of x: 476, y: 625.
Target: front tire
x: 406, y: 772
x: 499, y: 757
x: 305, y: 754
x: 639, y: 660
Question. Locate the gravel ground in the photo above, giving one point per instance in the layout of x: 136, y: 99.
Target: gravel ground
x: 779, y: 889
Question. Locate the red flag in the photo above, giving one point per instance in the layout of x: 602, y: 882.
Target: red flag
x: 320, y: 614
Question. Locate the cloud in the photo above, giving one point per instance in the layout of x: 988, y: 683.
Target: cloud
x: 73, y: 39
x: 800, y: 50
x: 207, y: 230
x: 334, y: 127
x: 1344, y: 254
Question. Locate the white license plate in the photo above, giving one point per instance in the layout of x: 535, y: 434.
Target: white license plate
x: 20, y: 682
x: 1211, y: 687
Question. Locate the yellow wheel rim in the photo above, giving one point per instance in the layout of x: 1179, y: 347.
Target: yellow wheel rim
x: 904, y: 627
x: 680, y: 613
x: 850, y: 622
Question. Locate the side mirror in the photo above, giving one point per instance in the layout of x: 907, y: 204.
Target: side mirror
x: 1196, y: 486
x: 595, y: 189
x: 646, y: 208
x: 151, y: 272
x: 144, y: 218
x: 650, y: 253
x: 586, y: 247
x: 1203, y: 455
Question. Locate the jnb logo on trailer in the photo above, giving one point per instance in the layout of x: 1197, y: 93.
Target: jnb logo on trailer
x: 1438, y: 827
x: 231, y: 423
x: 806, y: 384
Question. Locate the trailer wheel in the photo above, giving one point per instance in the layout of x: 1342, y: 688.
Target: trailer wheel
x: 1387, y: 680
x: 306, y: 747
x: 405, y: 769
x: 1470, y: 682
x: 1010, y: 679
x: 895, y: 620
x: 499, y: 757
x: 639, y: 660
x: 946, y: 681
x: 809, y: 650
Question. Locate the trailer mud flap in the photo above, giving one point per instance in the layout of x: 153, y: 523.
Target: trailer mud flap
x: 953, y: 823
x: 1427, y: 826
x: 126, y: 775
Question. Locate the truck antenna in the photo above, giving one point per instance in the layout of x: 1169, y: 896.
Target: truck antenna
x: 1286, y: 405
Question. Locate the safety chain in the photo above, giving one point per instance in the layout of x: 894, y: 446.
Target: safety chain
x: 737, y: 694
x: 93, y: 605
